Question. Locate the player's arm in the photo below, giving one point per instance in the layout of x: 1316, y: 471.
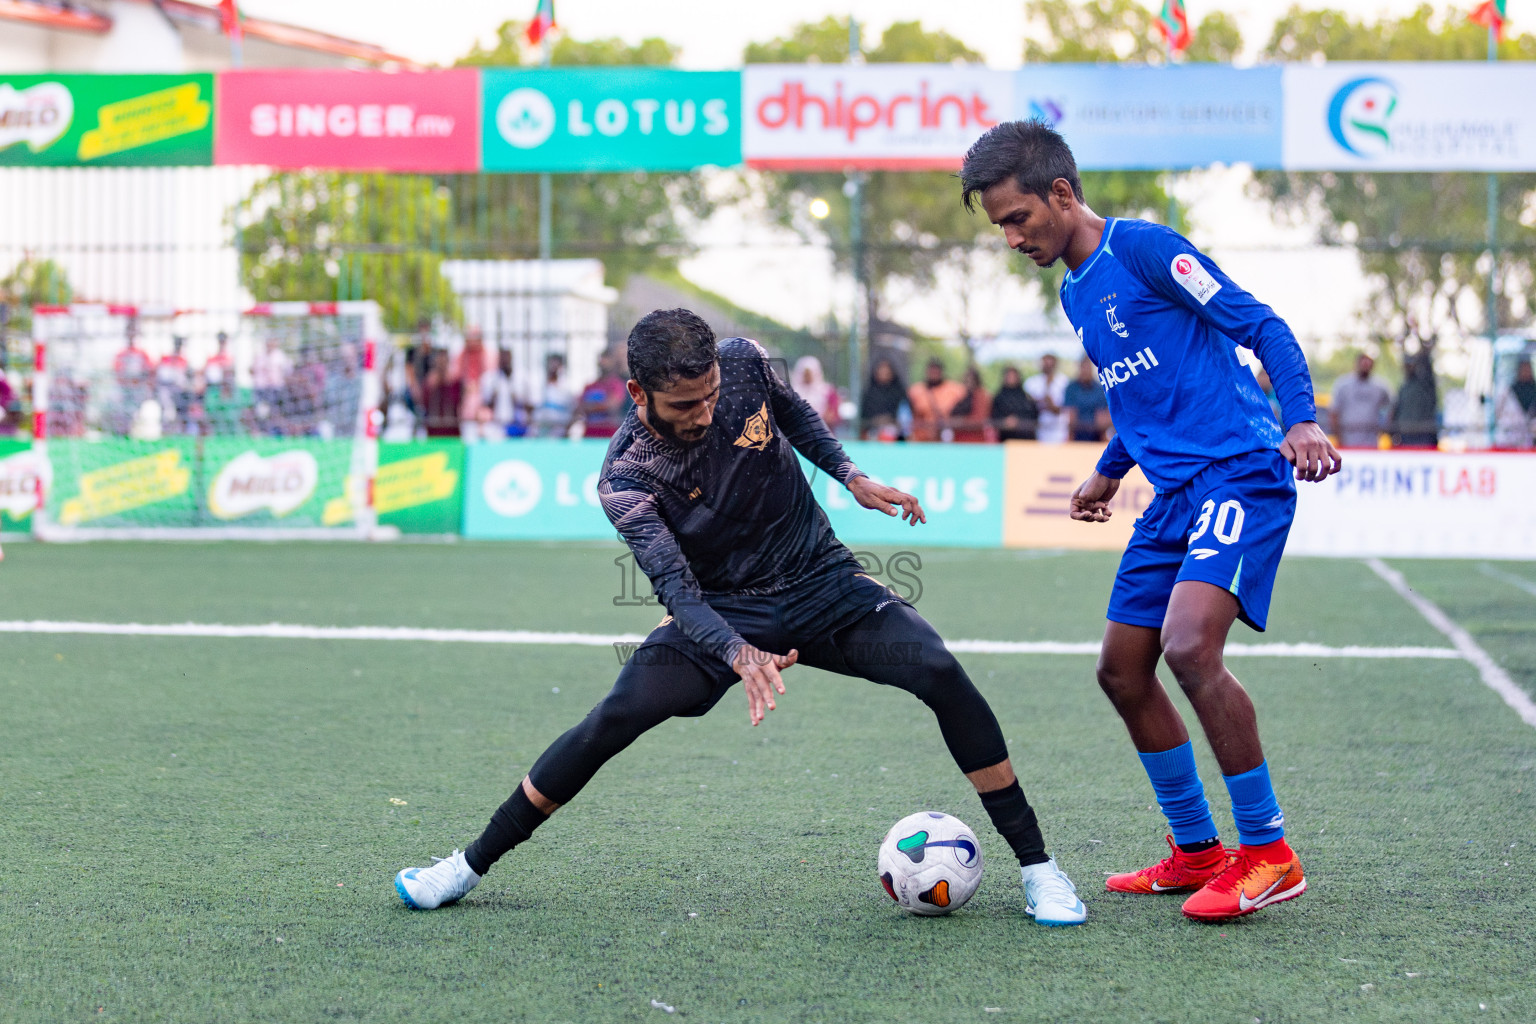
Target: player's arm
x: 1211, y: 295
x: 634, y: 513
x: 808, y: 433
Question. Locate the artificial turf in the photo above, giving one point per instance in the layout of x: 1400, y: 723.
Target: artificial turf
x: 206, y: 829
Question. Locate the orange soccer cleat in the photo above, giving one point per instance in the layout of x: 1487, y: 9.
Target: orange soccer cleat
x: 1179, y: 872
x: 1256, y: 877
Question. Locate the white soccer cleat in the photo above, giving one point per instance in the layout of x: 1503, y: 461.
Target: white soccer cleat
x: 1050, y: 897
x: 446, y: 881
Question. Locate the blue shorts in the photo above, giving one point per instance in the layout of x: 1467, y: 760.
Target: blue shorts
x: 1227, y: 527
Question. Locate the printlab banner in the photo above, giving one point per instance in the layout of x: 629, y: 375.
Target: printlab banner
x: 350, y: 120
x: 871, y: 116
x: 229, y: 482
x: 1445, y: 116
x: 610, y: 119
x: 106, y: 120
x: 1408, y: 504
x: 1122, y: 117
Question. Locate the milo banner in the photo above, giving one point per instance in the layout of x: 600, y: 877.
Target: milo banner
x: 185, y: 482
x: 418, y: 487
x: 106, y: 120
x: 22, y: 472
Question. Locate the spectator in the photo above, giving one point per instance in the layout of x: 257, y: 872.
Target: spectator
x: 811, y: 384
x: 1014, y: 414
x: 500, y: 413
x: 134, y: 372
x: 880, y: 405
x: 219, y: 365
x: 441, y: 398
x: 972, y: 415
x: 269, y: 373
x: 933, y: 399
x: 1416, y: 415
x: 1087, y: 408
x: 173, y: 386
x: 1049, y: 390
x: 468, y: 368
x: 303, y: 405
x: 9, y: 407
x: 551, y: 407
x: 604, y: 401
x: 1514, y: 413
x: 418, y: 359
x: 1359, y: 407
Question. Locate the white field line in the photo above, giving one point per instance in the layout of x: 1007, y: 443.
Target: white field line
x: 1508, y: 577
x: 1494, y: 676
x: 286, y: 631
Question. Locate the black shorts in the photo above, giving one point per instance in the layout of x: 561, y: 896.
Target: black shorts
x: 805, y: 618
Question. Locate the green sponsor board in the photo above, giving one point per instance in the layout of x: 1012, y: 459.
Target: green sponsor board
x: 419, y: 487
x: 609, y: 119
x: 187, y: 482
x: 106, y: 120
x: 21, y: 473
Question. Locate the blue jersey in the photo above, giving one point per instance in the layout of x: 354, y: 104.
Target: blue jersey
x: 1162, y: 323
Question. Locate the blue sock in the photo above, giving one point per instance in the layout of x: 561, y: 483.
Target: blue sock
x: 1254, y: 806
x: 1180, y: 794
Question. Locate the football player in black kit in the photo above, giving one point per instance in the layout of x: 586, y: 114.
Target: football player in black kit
x: 702, y: 483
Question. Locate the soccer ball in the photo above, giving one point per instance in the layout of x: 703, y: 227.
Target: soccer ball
x: 930, y: 863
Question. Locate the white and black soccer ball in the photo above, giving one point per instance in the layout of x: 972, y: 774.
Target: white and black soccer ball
x: 930, y: 863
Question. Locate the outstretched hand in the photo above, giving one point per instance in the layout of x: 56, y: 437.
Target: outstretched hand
x: 1090, y: 502
x: 885, y: 499
x: 759, y: 671
x: 1308, y: 449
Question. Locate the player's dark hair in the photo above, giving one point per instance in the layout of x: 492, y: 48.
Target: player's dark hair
x: 1031, y: 152
x: 669, y: 345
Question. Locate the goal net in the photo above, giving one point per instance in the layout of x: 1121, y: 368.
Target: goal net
x: 175, y: 423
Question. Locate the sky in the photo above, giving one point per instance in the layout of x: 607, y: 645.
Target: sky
x: 1317, y: 290
x: 713, y: 33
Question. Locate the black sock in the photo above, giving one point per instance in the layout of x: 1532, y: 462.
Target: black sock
x: 513, y: 822
x: 1015, y: 820
x: 1201, y: 846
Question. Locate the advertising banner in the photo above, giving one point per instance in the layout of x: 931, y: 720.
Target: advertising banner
x: 181, y: 482
x: 610, y: 119
x: 22, y: 473
x: 1122, y: 118
x: 350, y: 120
x: 535, y: 490
x: 106, y: 120
x: 417, y: 488
x: 870, y: 116
x: 1420, y: 505
x: 1441, y: 116
x: 1041, y: 478
x: 960, y: 487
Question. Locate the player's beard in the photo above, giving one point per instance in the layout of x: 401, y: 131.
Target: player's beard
x: 667, y: 432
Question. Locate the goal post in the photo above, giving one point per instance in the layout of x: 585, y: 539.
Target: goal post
x: 193, y: 424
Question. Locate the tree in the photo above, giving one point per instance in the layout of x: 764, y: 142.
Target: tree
x: 319, y: 235
x: 913, y: 222
x: 1420, y: 236
x: 32, y: 282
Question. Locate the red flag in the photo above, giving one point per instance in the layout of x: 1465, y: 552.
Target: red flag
x: 229, y: 14
x: 1490, y: 14
x: 543, y: 21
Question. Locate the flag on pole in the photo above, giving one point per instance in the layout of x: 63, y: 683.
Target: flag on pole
x: 1490, y: 14
x: 229, y: 14
x: 1173, y: 23
x: 543, y: 21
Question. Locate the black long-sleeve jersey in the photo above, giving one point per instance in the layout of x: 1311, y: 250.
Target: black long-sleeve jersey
x: 734, y: 513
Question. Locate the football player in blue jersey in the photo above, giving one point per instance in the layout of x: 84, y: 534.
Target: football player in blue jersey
x: 1162, y: 323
